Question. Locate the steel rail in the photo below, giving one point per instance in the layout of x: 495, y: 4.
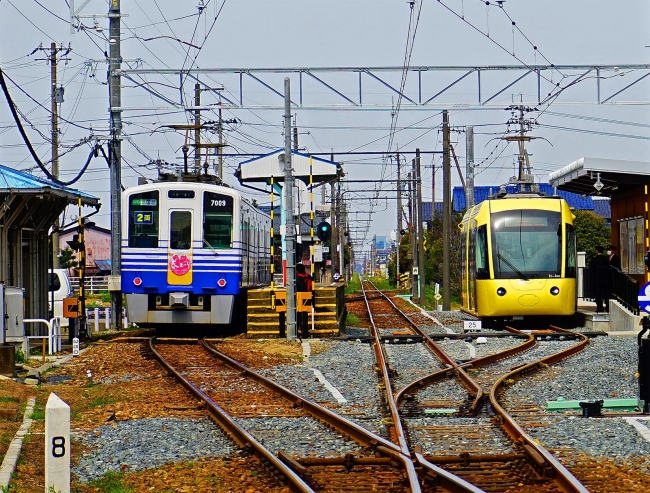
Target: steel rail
x: 476, y: 363
x: 465, y: 379
x: 563, y: 476
x: 539, y: 457
x: 443, y: 478
x: 354, y: 431
x: 240, y: 436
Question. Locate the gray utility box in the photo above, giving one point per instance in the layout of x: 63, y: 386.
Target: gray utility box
x: 14, y: 312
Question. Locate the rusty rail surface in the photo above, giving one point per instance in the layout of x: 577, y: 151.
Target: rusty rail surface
x: 443, y: 478
x: 239, y: 435
x: 392, y: 452
x: 539, y: 458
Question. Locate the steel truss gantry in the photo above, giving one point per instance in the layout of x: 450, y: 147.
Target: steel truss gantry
x: 431, y: 89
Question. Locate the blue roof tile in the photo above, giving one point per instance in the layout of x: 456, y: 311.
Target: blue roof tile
x: 482, y: 193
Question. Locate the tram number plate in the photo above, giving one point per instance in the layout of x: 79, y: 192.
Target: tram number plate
x: 472, y: 326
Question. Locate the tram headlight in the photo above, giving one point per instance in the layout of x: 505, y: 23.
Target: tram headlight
x: 555, y: 290
x: 501, y: 291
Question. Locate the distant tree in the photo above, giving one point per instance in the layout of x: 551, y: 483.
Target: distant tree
x: 591, y: 231
x: 67, y: 259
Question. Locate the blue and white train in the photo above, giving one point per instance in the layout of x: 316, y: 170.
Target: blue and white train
x: 190, y: 251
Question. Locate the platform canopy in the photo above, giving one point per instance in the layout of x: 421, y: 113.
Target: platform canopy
x: 616, y: 176
x: 261, y: 169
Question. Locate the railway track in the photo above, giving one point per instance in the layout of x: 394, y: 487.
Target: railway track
x: 242, y: 402
x: 467, y: 435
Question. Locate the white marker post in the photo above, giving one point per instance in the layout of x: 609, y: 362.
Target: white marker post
x: 75, y: 346
x: 57, y: 445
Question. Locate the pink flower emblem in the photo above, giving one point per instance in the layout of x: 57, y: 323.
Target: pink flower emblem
x: 180, y: 264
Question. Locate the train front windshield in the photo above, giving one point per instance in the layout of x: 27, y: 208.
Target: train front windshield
x: 526, y: 244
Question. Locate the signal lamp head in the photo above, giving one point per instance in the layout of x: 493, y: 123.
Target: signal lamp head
x: 501, y: 291
x: 324, y: 231
x: 555, y: 290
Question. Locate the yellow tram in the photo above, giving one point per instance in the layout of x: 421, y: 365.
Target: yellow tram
x: 518, y: 257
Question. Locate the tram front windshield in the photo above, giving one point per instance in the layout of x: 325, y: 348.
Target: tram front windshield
x: 526, y: 244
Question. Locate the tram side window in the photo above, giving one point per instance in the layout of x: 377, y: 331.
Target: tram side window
x: 482, y: 265
x: 180, y: 230
x: 570, y: 268
x: 143, y: 220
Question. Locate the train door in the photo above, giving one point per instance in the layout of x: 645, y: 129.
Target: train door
x: 179, y: 250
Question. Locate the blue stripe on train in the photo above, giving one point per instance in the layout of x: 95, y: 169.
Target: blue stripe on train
x: 156, y: 282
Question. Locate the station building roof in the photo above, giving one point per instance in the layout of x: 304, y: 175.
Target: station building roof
x: 616, y: 176
x: 17, y: 182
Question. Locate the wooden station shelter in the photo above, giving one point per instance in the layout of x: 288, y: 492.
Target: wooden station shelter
x: 265, y: 316
x: 29, y: 207
x: 627, y: 183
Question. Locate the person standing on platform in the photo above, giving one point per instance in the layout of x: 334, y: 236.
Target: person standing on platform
x: 304, y: 284
x: 613, y: 259
x: 599, y: 271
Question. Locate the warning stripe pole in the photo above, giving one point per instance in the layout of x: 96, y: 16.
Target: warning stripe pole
x: 311, y: 232
x: 272, y: 251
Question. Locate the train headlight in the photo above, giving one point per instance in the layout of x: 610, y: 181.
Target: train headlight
x: 555, y: 290
x: 501, y: 291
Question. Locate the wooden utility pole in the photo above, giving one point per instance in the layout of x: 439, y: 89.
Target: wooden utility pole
x: 446, y: 214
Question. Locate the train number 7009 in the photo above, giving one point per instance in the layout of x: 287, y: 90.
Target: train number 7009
x: 217, y: 203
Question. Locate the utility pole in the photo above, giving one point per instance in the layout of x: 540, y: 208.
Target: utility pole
x: 446, y: 212
x: 398, y: 236
x: 336, y: 228
x: 197, y: 129
x: 342, y: 229
x: 220, y: 148
x: 420, y: 229
x: 115, y: 88
x: 412, y: 233
x: 56, y: 97
x: 469, y: 171
x: 290, y: 227
x: 333, y: 239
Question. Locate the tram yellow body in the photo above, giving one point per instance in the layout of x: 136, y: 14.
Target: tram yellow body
x: 518, y: 257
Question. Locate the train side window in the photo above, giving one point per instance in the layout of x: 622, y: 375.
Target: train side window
x: 143, y: 219
x: 482, y: 265
x: 571, y: 261
x: 180, y: 230
x: 217, y: 220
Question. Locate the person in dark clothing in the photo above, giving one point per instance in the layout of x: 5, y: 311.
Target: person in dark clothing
x: 613, y: 259
x: 599, y: 270
x: 303, y: 280
x: 304, y: 284
x: 614, y: 266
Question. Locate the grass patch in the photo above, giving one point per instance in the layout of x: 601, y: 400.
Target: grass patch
x: 38, y: 413
x: 9, y: 399
x: 111, y: 482
x: 20, y: 356
x: 351, y: 320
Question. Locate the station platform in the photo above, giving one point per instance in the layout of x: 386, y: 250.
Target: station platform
x: 618, y: 321
x: 263, y: 320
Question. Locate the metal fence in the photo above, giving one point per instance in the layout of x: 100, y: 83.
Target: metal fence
x: 93, y: 284
x: 617, y: 285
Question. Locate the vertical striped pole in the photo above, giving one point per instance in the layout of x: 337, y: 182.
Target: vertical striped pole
x: 272, y: 250
x: 311, y: 232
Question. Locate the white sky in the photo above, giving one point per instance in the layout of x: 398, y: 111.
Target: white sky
x: 284, y: 33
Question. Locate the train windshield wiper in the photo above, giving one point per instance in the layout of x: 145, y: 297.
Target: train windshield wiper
x: 514, y: 269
